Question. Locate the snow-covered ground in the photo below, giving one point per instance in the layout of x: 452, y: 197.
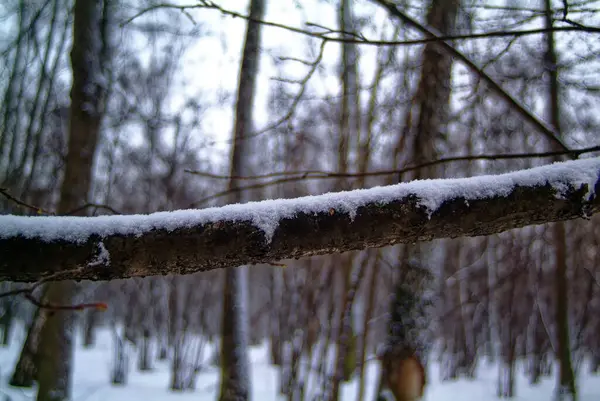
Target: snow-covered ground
x: 91, y: 381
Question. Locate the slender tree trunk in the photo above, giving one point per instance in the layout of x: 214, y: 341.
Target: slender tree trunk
x: 371, y: 287
x: 10, y: 98
x: 89, y: 331
x: 235, y: 367
x: 6, y: 323
x: 25, y: 372
x: 119, y: 368
x: 349, y: 131
x: 144, y: 359
x: 426, y: 120
x: 89, y: 56
x: 566, y: 387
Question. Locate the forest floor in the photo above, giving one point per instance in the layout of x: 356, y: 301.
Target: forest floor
x: 92, y: 383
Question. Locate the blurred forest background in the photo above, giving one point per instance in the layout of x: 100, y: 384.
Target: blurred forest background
x: 335, y: 106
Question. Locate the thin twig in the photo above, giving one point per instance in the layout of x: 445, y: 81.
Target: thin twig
x: 320, y: 174
x: 95, y: 206
x: 292, y: 109
x: 38, y: 210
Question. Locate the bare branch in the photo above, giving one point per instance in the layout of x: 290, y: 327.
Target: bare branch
x: 38, y: 210
x: 338, y: 36
x: 95, y: 206
x: 292, y: 109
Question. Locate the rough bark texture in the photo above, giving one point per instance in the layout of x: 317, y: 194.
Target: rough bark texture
x: 229, y: 243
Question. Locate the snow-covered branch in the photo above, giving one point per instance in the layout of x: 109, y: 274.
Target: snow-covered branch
x: 188, y: 241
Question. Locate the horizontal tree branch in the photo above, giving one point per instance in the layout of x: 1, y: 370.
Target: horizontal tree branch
x: 188, y: 241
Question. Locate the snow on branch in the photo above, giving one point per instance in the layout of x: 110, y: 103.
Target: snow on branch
x: 187, y: 241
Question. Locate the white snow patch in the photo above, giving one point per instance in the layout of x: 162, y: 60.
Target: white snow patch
x: 91, y: 378
x: 266, y: 215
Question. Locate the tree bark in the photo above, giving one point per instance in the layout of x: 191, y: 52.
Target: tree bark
x: 231, y: 242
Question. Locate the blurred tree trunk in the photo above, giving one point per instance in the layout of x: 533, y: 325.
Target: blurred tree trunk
x: 275, y: 346
x: 349, y: 131
x: 408, y: 330
x: 11, y: 99
x: 120, y: 362
x: 6, y: 322
x: 25, y: 372
x: 566, y: 387
x: 235, y: 375
x: 369, y: 305
x: 144, y: 360
x: 425, y: 124
x: 89, y: 330
x: 89, y: 56
x: 430, y: 110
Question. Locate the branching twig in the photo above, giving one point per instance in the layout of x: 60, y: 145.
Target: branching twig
x: 292, y: 109
x: 95, y: 206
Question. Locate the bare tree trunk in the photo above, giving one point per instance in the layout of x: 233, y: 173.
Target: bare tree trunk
x: 144, y: 360
x: 566, y: 387
x: 25, y: 372
x: 349, y: 131
x: 11, y: 99
x: 120, y: 362
x: 235, y: 373
x: 89, y: 330
x: 89, y: 56
x: 6, y: 322
x: 426, y: 120
x: 371, y: 292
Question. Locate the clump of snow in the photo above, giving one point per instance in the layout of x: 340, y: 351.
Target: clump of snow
x: 266, y: 215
